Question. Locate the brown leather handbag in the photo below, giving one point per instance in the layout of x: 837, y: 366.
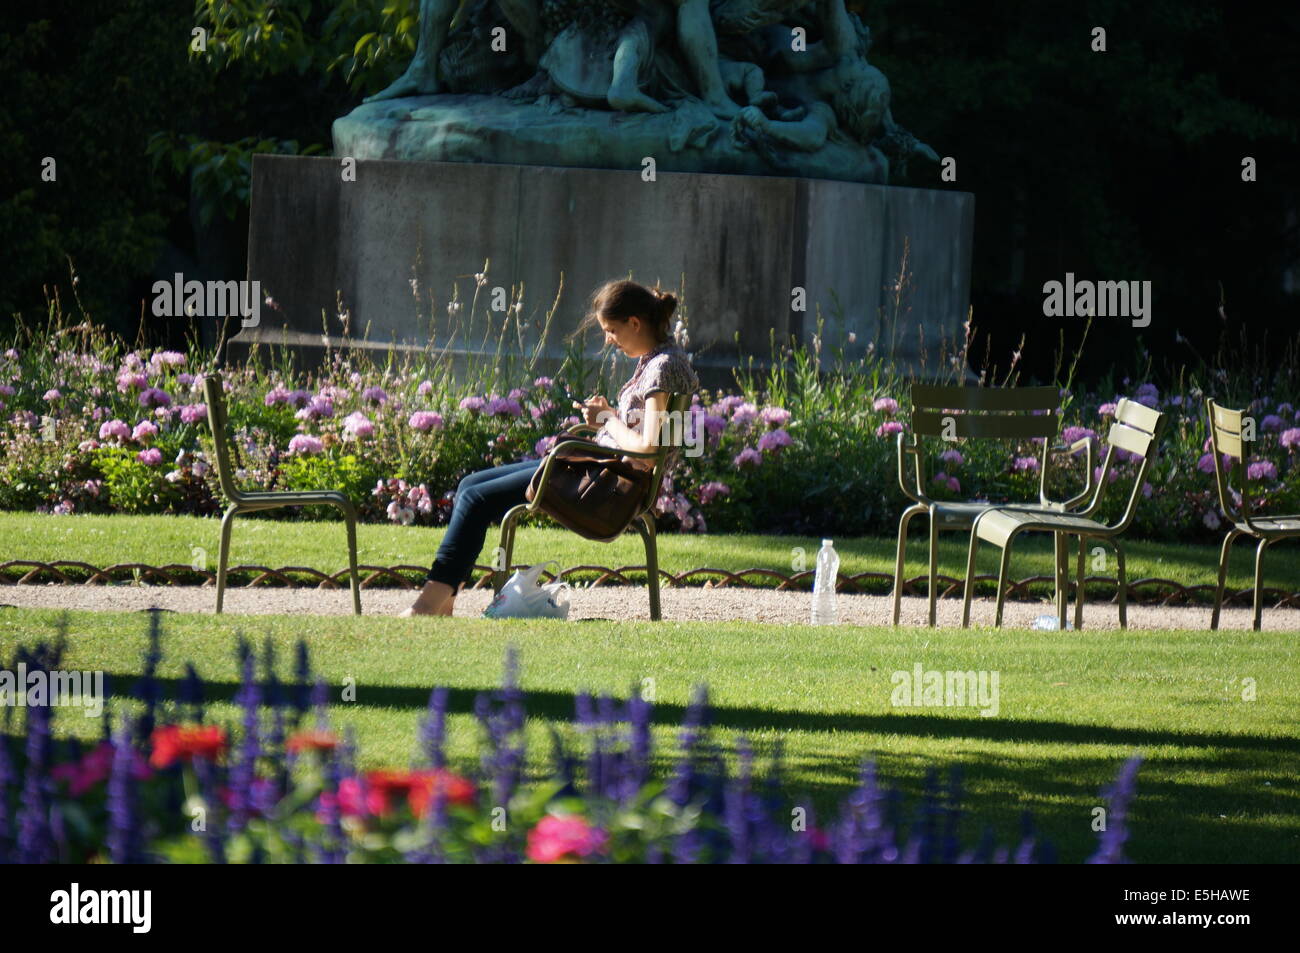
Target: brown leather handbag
x: 595, y: 496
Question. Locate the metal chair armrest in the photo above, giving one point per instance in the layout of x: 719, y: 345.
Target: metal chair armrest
x: 904, y: 449
x: 1083, y: 443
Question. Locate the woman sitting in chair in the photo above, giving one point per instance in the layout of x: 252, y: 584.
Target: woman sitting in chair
x: 636, y: 320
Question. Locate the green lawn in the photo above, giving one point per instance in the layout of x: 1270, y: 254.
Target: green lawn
x: 161, y: 540
x: 1219, y: 783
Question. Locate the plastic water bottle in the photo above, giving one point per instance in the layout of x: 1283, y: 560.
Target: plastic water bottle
x: 1050, y: 623
x: 828, y: 568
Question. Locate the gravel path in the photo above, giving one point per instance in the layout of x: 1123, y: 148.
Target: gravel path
x: 624, y: 603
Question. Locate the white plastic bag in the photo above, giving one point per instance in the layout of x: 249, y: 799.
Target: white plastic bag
x: 523, y: 598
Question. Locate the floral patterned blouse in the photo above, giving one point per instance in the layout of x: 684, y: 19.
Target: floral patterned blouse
x: 666, y: 368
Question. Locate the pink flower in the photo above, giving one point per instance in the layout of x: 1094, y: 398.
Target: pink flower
x: 425, y: 388
x: 952, y: 457
x: 52, y: 394
x: 114, y: 430
x: 473, y: 404
x: 1108, y: 410
x: 1290, y: 439
x: 305, y: 443
x: 712, y: 491
x: 544, y: 383
x: 400, y: 514
x: 276, y: 395
x: 151, y: 457
x: 1025, y: 465
x: 889, y: 428
x: 564, y: 838
x: 376, y: 395
x: 1073, y: 434
x: 543, y: 446
x: 144, y: 431
x: 1211, y: 520
x: 1206, y: 463
x: 774, y: 440
x: 168, y: 359
x: 744, y: 413
x: 713, y: 424
x: 95, y: 767
x: 425, y: 420
x: 1262, y: 470
x: 886, y: 405
x: 193, y: 413
x: 358, y: 425
x: 153, y: 397
x: 954, y: 484
x: 129, y: 380
x: 317, y: 407
x: 747, y: 456
x: 1096, y: 475
x: 504, y: 406
x: 775, y: 416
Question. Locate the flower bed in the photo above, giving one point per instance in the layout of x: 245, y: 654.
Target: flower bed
x: 169, y: 785
x: 96, y: 428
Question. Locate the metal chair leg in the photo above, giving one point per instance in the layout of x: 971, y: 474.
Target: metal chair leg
x: 1002, y: 582
x: 1225, y: 553
x: 1062, y: 578
x: 898, y: 564
x: 350, y: 516
x: 1079, y: 588
x: 1123, y: 585
x: 645, y: 525
x: 1259, y: 583
x: 934, y: 565
x: 500, y: 572
x: 223, y: 554
x: 970, y: 580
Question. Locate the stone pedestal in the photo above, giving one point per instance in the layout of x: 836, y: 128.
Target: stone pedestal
x: 736, y: 244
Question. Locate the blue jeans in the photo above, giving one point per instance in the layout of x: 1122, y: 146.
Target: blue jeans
x: 482, y: 498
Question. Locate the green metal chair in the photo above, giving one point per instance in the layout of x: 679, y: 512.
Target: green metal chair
x: 246, y: 502
x: 677, y: 406
x: 1226, y: 439
x: 949, y: 413
x: 1136, y: 430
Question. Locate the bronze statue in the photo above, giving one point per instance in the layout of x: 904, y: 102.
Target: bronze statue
x: 721, y: 77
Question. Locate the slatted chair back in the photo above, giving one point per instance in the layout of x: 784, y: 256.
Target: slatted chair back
x: 215, y: 396
x: 675, y: 428
x: 1014, y: 413
x: 994, y: 413
x: 1136, y: 430
x: 1227, y: 439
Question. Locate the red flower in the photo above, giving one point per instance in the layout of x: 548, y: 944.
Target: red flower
x: 374, y: 794
x: 172, y: 743
x: 454, y: 788
x: 560, y: 839
x: 312, y: 741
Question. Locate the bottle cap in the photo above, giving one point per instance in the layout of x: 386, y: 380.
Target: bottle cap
x: 826, y: 542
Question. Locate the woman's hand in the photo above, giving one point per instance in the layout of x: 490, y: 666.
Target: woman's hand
x: 592, y: 410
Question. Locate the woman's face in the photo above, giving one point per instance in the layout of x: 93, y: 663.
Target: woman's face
x: 628, y: 336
